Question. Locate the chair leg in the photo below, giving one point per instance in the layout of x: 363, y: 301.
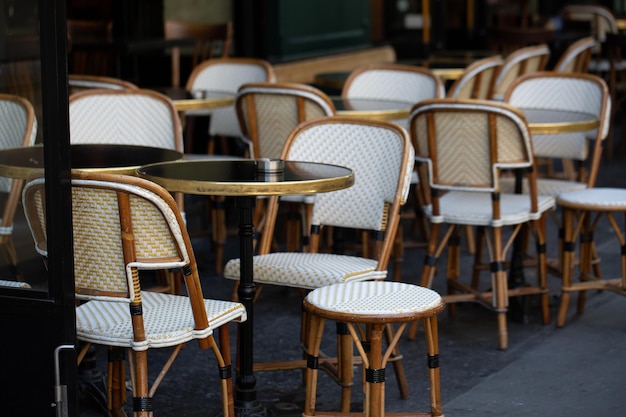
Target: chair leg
x: 500, y: 288
x: 316, y: 328
x: 568, y: 264
x: 142, y: 403
x: 398, y: 365
x: 542, y: 267
x: 432, y: 346
x: 345, y: 365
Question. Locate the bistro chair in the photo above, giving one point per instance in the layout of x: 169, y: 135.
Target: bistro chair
x: 393, y: 82
x: 130, y: 116
x: 18, y: 127
x: 398, y: 83
x: 381, y: 157
x: 81, y: 82
x: 210, y: 40
x: 267, y: 114
x: 600, y: 22
x: 225, y: 75
x: 477, y: 79
x: 522, y: 61
x: 577, y: 56
x: 465, y: 145
x: 569, y: 92
x: 141, y: 228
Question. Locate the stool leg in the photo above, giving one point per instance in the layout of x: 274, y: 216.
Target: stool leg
x: 432, y: 346
x: 345, y: 365
x: 568, y: 264
x: 374, y: 376
x: 586, y: 256
x: 316, y: 328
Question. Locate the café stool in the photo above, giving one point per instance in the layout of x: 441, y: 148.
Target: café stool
x: 368, y: 309
x: 582, y: 211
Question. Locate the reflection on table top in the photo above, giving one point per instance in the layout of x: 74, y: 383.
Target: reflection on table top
x: 543, y: 121
x: 198, y: 100
x: 372, y: 108
x: 26, y: 162
x: 242, y: 178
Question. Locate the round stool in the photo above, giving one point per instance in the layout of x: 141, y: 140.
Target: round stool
x: 375, y: 305
x: 578, y: 209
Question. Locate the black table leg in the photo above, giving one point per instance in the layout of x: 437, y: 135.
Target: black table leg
x: 246, y: 402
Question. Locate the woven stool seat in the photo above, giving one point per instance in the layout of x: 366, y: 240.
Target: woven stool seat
x: 373, y: 305
x: 581, y: 212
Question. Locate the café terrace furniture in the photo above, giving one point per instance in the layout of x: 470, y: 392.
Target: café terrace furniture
x: 224, y: 75
x: 81, y: 82
x: 366, y: 309
x: 247, y: 180
x: 18, y: 128
x: 465, y: 145
x: 600, y: 22
x: 267, y: 114
x: 210, y: 40
x: 577, y: 56
x: 393, y: 82
x: 477, y: 79
x: 546, y: 96
x: 582, y: 211
x: 381, y: 157
x: 141, y: 228
x: 387, y: 84
x: 522, y: 61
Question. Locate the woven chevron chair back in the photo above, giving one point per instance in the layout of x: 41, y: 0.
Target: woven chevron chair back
x: 268, y: 112
x: 599, y: 18
x: 522, y: 61
x: 227, y: 75
x: 80, y: 82
x: 465, y: 144
x: 135, y: 117
x: 18, y: 127
x: 577, y: 56
x: 582, y: 93
x: 393, y: 82
x: 381, y: 157
x: 121, y: 224
x: 477, y: 79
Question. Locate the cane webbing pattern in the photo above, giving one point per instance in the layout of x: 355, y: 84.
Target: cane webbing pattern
x: 380, y: 298
x: 595, y: 199
x: 574, y: 56
x: 18, y: 127
x: 168, y: 321
x: 276, y: 114
x: 374, y: 154
x: 307, y: 270
x: 14, y: 284
x: 462, y: 157
x: 477, y: 79
x: 227, y: 75
x: 124, y: 117
x: 396, y: 84
x: 545, y: 186
x: 522, y: 61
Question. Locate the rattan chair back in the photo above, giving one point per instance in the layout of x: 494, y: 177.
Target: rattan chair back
x: 268, y: 112
x: 577, y: 56
x: 477, y: 79
x: 130, y: 116
x: 522, y: 61
x: 81, y: 82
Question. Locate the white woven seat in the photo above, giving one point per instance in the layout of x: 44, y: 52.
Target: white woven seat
x: 123, y: 225
x: 14, y: 284
x: 18, y: 127
x: 465, y: 146
x: 367, y: 308
x: 581, y: 213
x: 381, y: 157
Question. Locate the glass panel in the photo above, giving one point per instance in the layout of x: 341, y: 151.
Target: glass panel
x: 20, y: 79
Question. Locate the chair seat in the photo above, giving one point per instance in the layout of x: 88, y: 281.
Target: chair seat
x: 108, y: 323
x: 545, y: 186
x: 474, y: 208
x: 307, y: 270
x: 381, y: 301
x: 595, y: 199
